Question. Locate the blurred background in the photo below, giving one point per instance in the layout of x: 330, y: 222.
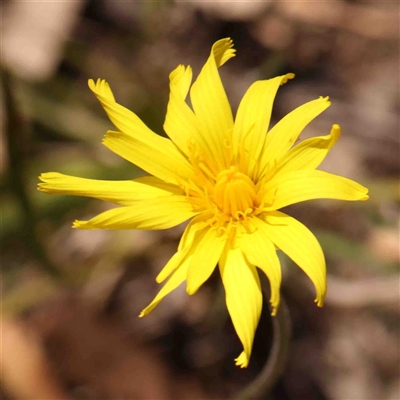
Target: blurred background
x: 70, y: 298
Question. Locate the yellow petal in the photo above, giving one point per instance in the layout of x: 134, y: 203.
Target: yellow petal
x: 137, y: 143
x: 206, y: 251
x: 180, y: 79
x: 294, y: 239
x: 152, y: 214
x: 243, y: 298
x: 180, y: 121
x: 125, y: 120
x: 260, y: 251
x: 160, y: 161
x: 253, y: 118
x: 210, y: 102
x: 282, y: 136
x: 177, y: 278
x: 198, y: 223
x: 174, y: 262
x: 309, y: 154
x: 294, y: 187
x: 117, y: 192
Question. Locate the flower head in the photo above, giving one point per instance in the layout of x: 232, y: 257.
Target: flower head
x: 230, y: 176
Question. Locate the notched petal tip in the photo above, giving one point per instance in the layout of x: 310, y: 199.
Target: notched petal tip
x: 178, y: 71
x: 325, y: 99
x: 226, y: 43
x: 95, y: 86
x: 42, y: 187
x: 101, y: 88
x: 180, y: 79
x: 320, y: 298
x: 80, y: 224
x: 320, y: 302
x: 275, y: 299
x: 46, y: 176
x: 363, y: 196
x: 274, y: 307
x: 222, y: 51
x: 48, y: 182
x: 109, y: 137
x: 288, y: 76
x: 242, y: 361
x: 364, y: 193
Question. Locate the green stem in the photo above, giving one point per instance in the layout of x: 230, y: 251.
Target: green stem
x: 281, y: 331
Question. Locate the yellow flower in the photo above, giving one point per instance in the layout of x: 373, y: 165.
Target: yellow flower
x: 230, y: 176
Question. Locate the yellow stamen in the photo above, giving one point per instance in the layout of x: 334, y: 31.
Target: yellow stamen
x: 234, y: 193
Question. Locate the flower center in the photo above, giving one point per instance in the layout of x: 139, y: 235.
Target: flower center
x: 234, y: 193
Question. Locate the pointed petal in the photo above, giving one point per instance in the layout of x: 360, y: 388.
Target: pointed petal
x: 174, y: 262
x: 282, y: 136
x: 177, y: 278
x: 198, y: 223
x: 307, y: 184
x: 309, y: 154
x: 243, y: 298
x: 210, y: 102
x: 260, y: 251
x: 206, y: 251
x: 152, y: 214
x: 253, y: 118
x: 297, y: 241
x: 117, y: 192
x: 136, y: 142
